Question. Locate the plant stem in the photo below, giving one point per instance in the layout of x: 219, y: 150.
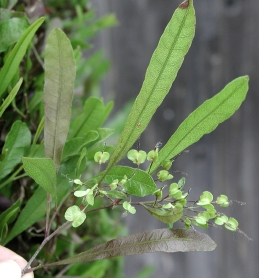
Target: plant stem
x: 18, y: 110
x: 48, y: 206
x: 62, y: 228
x: 13, y: 176
x: 65, y: 226
x: 58, y: 208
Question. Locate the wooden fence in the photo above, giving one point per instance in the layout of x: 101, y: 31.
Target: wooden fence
x: 226, y: 46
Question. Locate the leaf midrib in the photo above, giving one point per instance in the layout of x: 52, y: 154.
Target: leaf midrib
x: 157, y: 80
x: 194, y: 126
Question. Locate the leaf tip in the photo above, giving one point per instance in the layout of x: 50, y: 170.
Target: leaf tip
x: 184, y: 5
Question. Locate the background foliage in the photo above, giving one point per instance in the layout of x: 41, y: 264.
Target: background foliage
x: 23, y: 117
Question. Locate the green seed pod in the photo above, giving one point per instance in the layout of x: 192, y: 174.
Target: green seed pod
x: 137, y: 157
x: 166, y: 164
x: 158, y: 193
x: 101, y: 157
x: 153, y: 155
x: 164, y: 175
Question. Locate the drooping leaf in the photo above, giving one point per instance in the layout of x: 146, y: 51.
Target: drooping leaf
x: 8, y: 217
x: 10, y: 97
x: 139, y: 183
x: 160, y: 240
x: 92, y: 118
x: 60, y: 70
x: 34, y: 210
x: 80, y: 165
x: 34, y: 147
x: 168, y: 217
x: 14, y: 58
x: 11, y: 30
x: 161, y: 72
x: 205, y: 119
x: 9, y: 214
x: 104, y: 133
x: 43, y: 171
x: 17, y: 139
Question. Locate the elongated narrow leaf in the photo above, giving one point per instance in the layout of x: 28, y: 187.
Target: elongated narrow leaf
x: 139, y: 183
x: 92, y: 118
x: 14, y: 58
x: 17, y: 139
x: 168, y: 217
x: 161, y: 72
x: 10, y: 97
x: 34, y: 210
x: 205, y: 119
x: 60, y: 71
x: 9, y: 214
x: 160, y: 240
x: 43, y: 171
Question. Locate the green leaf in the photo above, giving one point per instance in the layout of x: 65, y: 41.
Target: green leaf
x: 10, y: 97
x: 74, y: 146
x: 90, y: 198
x: 14, y: 58
x: 160, y: 240
x: 81, y: 193
x: 9, y: 214
x: 43, y: 171
x: 94, y: 115
x: 75, y: 215
x: 17, y: 139
x: 8, y: 217
x: 11, y: 30
x: 181, y: 183
x: 161, y: 72
x: 116, y: 194
x: 11, y: 3
x: 139, y: 183
x: 106, y: 21
x: 205, y: 119
x: 34, y: 210
x: 60, y: 71
x: 80, y: 165
x: 168, y: 217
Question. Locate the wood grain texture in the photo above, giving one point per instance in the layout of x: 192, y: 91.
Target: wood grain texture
x: 224, y: 162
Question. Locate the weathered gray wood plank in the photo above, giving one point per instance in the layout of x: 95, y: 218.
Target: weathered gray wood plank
x: 224, y: 162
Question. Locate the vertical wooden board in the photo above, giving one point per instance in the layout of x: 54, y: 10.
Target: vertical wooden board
x: 226, y: 161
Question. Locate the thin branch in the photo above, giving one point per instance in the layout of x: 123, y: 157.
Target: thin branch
x: 62, y: 228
